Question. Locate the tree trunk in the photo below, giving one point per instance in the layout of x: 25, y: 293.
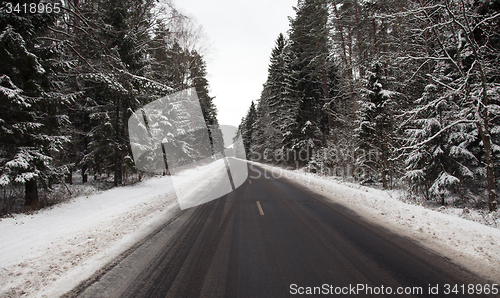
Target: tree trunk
x: 486, y: 138
x: 384, y: 157
x: 484, y: 126
x: 348, y: 66
x: 340, y: 29
x: 490, y: 175
x: 31, y: 194
x: 358, y: 41
x: 165, y: 171
x: 375, y: 50
x: 384, y: 173
x: 118, y: 160
x: 117, y: 179
x: 69, y: 177
x: 84, y: 174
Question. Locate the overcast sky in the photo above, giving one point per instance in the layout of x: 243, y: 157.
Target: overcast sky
x: 241, y: 35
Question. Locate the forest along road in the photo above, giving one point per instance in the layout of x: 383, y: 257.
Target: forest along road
x: 274, y: 238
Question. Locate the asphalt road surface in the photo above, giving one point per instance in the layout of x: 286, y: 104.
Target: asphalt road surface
x: 274, y: 238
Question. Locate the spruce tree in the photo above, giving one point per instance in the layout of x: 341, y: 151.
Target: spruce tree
x: 198, y: 77
x: 375, y: 130
x: 30, y: 114
x: 115, y: 78
x: 314, y: 74
x: 264, y: 135
x: 247, y: 128
x: 282, y: 106
x: 442, y: 166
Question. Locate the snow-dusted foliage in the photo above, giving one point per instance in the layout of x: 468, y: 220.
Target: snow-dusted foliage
x: 69, y: 82
x: 30, y: 119
x: 378, y: 90
x: 141, y: 62
x: 416, y: 100
x: 247, y: 129
x: 314, y: 76
x: 293, y: 111
x: 278, y: 96
x: 439, y: 162
x: 451, y: 137
x: 375, y: 130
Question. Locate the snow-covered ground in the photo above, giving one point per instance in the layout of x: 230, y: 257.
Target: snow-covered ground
x: 468, y: 243
x: 48, y: 253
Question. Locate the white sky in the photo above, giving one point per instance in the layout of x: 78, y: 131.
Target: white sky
x: 241, y: 35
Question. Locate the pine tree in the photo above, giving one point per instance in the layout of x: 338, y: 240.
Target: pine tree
x: 30, y: 115
x: 375, y: 131
x: 264, y: 135
x: 115, y: 78
x: 78, y: 76
x: 198, y: 77
x: 280, y: 96
x: 158, y: 50
x: 444, y: 165
x: 314, y: 74
x: 463, y: 64
x: 276, y: 108
x: 484, y: 45
x: 246, y: 128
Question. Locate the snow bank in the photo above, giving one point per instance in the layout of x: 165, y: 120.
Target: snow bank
x: 50, y: 252
x: 467, y: 243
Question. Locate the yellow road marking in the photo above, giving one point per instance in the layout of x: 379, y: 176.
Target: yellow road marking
x: 260, y: 208
x: 250, y: 181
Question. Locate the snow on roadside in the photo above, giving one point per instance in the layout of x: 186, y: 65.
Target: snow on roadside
x: 50, y: 252
x: 470, y: 244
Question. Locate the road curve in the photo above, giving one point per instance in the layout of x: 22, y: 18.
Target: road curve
x: 274, y: 238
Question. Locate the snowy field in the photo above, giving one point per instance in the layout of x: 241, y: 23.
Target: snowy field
x: 48, y: 253
x: 466, y: 242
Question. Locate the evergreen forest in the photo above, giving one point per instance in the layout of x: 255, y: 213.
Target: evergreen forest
x: 71, y: 75
x: 399, y: 94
